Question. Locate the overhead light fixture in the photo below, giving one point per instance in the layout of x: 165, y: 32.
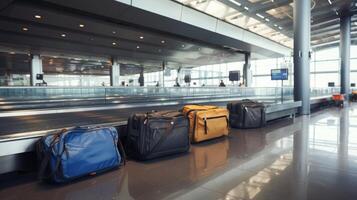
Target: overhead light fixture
x: 163, y: 41
x: 280, y: 27
x: 141, y: 37
x: 11, y: 52
x: 266, y: 19
x: 329, y: 1
x: 63, y: 35
x: 114, y: 32
x: 81, y: 25
x: 183, y: 46
x: 246, y: 8
x: 25, y: 29
x: 275, y: 25
x: 38, y: 16
x: 336, y: 13
x: 259, y: 15
x: 235, y: 2
x: 138, y: 47
x: 114, y: 43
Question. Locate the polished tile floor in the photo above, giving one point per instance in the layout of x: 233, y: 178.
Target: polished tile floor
x: 313, y: 158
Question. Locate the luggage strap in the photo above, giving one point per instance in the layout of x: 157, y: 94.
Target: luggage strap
x: 122, y: 152
x: 45, y: 162
x: 163, y: 138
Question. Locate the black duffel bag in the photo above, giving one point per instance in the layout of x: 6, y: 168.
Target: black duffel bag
x: 157, y: 134
x: 246, y: 114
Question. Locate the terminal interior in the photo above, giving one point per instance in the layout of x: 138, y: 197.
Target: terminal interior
x: 65, y: 64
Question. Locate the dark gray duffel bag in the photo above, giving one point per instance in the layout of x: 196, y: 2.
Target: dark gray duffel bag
x: 157, y: 134
x: 246, y: 114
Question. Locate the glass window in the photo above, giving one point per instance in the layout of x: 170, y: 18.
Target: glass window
x: 328, y: 54
x: 14, y: 69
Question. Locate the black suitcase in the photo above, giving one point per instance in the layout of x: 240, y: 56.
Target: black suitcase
x: 157, y: 134
x: 246, y: 114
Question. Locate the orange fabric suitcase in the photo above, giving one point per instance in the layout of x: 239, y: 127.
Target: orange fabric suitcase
x: 338, y: 97
x: 206, y: 122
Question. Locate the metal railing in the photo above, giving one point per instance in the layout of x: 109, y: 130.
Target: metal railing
x: 39, y: 93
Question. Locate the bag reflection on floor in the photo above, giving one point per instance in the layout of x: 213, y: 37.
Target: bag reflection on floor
x: 207, y: 157
x: 159, y: 178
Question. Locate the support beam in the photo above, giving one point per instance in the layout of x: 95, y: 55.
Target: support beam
x: 345, y: 46
x: 115, y: 73
x: 302, y: 18
x: 247, y: 75
x: 36, y: 68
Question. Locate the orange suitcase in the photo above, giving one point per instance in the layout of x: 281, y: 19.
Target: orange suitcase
x: 206, y: 122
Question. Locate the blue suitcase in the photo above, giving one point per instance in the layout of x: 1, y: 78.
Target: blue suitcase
x: 78, y: 152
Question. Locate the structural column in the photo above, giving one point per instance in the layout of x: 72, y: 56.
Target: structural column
x: 302, y: 17
x: 36, y: 68
x: 115, y: 73
x: 345, y: 45
x: 247, y: 75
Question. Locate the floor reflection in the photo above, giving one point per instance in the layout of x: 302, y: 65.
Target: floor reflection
x: 313, y: 158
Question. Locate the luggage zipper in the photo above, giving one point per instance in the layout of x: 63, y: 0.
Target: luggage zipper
x: 216, y: 117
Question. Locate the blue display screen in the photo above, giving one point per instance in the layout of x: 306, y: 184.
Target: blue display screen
x: 279, y: 74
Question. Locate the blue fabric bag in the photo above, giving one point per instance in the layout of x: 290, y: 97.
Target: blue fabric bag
x: 78, y: 152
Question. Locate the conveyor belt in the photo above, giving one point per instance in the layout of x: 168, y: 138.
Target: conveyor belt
x: 10, y: 125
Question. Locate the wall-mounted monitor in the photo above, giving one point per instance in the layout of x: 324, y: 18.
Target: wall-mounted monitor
x: 187, y: 78
x: 234, y: 75
x: 279, y: 74
x: 331, y: 84
x: 39, y: 76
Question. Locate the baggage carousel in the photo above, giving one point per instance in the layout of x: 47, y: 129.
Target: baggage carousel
x: 19, y: 130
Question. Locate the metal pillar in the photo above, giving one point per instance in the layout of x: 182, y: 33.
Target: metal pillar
x: 302, y: 17
x: 247, y: 75
x: 345, y: 45
x: 36, y: 68
x: 115, y: 73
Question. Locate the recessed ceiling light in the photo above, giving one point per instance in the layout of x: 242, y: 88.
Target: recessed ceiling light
x: 81, y: 25
x: 138, y: 47
x: 280, y: 27
x: 329, y: 1
x: 183, y: 45
x: 25, y: 29
x: 275, y: 25
x: 141, y: 37
x: 259, y: 15
x: 63, y: 35
x: 163, y: 41
x: 38, y: 16
x: 237, y: 3
x: 114, y: 43
x: 114, y: 32
x: 266, y: 19
x: 246, y: 8
x: 11, y: 52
